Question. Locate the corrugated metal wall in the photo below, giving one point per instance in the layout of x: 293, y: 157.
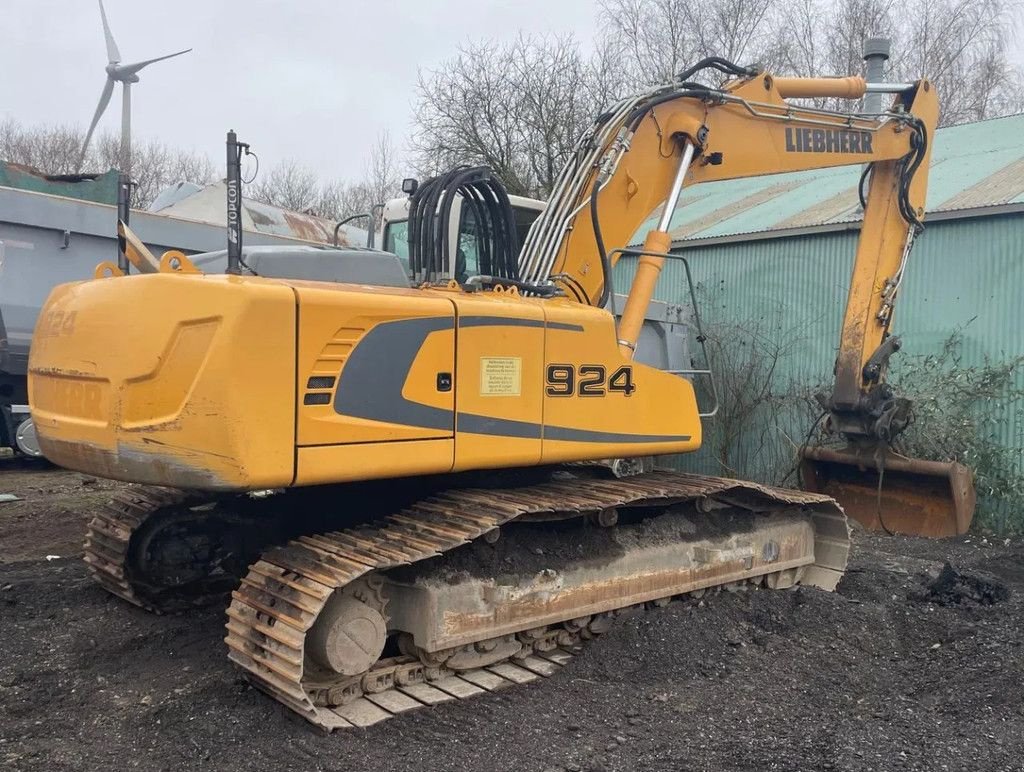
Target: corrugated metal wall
x: 965, y: 273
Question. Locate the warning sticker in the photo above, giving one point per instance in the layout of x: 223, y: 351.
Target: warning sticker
x: 500, y: 376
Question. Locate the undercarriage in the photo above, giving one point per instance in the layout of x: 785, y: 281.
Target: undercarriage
x: 464, y: 591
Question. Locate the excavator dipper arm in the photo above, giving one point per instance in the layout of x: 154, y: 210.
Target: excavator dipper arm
x: 646, y: 149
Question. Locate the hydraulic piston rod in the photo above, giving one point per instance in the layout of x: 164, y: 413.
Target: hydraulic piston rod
x: 649, y: 268
x: 852, y: 87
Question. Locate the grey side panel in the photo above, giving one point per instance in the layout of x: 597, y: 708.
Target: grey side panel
x: 664, y: 341
x: 502, y: 427
x: 372, y: 379
x: 584, y: 435
x: 479, y: 424
x: 499, y: 321
x: 347, y: 266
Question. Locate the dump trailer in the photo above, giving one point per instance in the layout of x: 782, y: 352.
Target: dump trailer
x: 436, y: 484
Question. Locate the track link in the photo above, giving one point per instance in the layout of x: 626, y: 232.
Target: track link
x: 108, y: 536
x: 284, y: 592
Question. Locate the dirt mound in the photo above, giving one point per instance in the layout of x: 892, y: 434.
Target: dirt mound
x: 953, y: 588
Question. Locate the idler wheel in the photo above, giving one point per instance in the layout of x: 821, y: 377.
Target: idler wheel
x: 348, y: 637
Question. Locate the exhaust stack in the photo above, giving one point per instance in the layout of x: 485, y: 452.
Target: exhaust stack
x: 876, y: 54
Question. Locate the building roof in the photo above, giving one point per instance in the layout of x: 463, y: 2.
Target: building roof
x: 101, y: 188
x: 975, y: 167
x: 208, y: 204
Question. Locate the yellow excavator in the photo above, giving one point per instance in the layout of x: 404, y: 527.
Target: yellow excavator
x: 410, y: 473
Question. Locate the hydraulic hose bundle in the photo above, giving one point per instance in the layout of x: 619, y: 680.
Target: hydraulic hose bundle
x: 682, y: 87
x: 908, y: 166
x: 484, y: 198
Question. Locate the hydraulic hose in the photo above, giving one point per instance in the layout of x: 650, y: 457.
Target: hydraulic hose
x: 720, y: 64
x: 606, y: 265
x: 430, y: 211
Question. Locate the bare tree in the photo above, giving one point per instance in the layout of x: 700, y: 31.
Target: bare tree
x: 381, y: 175
x: 663, y: 37
x: 466, y: 114
x: 960, y: 45
x: 380, y: 182
x: 338, y: 199
x: 155, y: 166
x: 291, y: 185
x: 50, y: 149
x: 517, y: 107
x: 54, y: 150
x: 654, y: 35
x: 826, y: 38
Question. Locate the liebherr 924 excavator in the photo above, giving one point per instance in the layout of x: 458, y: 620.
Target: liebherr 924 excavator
x: 354, y: 450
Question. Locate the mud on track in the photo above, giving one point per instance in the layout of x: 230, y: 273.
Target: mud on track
x: 761, y: 680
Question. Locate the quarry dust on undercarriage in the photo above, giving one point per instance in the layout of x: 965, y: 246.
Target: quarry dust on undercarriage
x: 871, y: 677
x: 313, y: 621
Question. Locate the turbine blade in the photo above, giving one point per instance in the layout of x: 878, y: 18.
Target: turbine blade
x: 132, y: 69
x: 113, y: 55
x: 108, y: 89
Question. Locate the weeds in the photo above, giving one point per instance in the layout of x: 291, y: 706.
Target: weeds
x: 961, y: 412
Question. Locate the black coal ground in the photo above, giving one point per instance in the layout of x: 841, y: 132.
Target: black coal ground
x: 883, y: 674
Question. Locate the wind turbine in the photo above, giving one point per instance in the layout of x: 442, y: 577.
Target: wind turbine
x: 126, y: 75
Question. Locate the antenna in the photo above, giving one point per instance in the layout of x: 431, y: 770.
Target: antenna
x: 234, y: 186
x: 236, y: 262
x: 126, y: 75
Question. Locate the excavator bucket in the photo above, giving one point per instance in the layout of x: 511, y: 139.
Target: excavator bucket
x: 915, y: 497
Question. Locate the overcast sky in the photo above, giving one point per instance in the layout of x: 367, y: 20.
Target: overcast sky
x: 315, y: 80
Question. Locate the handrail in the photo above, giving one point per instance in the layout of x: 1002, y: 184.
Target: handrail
x: 348, y: 219
x: 701, y: 338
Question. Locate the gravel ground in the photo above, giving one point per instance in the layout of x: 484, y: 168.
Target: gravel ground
x: 884, y: 674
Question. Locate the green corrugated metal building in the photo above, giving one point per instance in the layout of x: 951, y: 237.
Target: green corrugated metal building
x: 775, y: 253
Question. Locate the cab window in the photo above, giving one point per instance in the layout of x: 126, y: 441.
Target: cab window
x: 467, y: 260
x: 396, y: 238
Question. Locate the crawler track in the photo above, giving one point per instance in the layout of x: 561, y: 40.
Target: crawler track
x: 281, y: 597
x: 108, y: 537
x: 168, y: 550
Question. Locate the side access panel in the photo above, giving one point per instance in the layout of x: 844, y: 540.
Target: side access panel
x: 599, y: 405
x: 375, y: 383
x: 499, y: 389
